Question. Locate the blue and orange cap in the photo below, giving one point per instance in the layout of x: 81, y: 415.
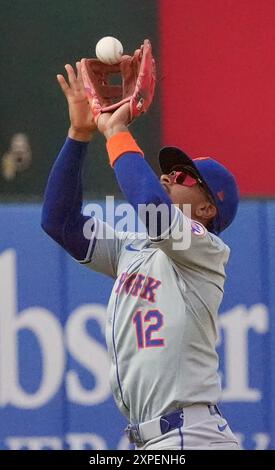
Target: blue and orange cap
x: 220, y: 183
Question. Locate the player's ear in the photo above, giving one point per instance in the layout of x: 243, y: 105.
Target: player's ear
x: 206, y: 210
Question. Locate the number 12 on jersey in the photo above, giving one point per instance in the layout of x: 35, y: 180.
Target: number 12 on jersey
x: 146, y: 326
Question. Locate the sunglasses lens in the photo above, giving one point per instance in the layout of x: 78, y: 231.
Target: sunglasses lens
x: 180, y: 177
x: 185, y: 179
x: 190, y: 181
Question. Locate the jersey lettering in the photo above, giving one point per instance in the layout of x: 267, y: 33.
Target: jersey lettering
x: 138, y: 285
x: 145, y: 332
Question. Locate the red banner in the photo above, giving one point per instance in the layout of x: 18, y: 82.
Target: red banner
x: 218, y: 84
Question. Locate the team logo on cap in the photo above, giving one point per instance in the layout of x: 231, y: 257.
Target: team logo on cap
x: 220, y: 195
x: 198, y: 229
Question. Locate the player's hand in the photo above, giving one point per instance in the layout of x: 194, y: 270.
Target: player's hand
x: 112, y: 123
x: 82, y: 123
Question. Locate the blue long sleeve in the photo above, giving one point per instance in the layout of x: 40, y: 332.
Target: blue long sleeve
x: 61, y: 215
x: 140, y: 185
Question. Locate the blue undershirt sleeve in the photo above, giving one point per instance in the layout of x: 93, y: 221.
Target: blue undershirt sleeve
x: 61, y: 214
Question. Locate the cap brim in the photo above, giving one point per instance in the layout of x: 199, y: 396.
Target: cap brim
x: 172, y: 156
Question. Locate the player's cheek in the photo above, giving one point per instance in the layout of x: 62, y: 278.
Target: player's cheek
x: 181, y: 195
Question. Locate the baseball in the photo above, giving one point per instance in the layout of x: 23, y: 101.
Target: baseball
x: 109, y: 50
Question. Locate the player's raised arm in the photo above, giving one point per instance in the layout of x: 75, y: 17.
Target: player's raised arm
x: 61, y: 216
x: 135, y: 177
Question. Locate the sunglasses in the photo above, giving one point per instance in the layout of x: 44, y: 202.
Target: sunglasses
x: 184, y: 178
x: 190, y: 179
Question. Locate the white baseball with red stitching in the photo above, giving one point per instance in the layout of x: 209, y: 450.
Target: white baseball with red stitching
x: 109, y: 50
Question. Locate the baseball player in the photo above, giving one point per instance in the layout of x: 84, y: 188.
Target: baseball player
x: 161, y: 324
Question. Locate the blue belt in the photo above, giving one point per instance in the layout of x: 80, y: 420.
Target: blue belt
x: 141, y: 433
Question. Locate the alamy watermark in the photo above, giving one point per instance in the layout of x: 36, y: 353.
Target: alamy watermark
x: 156, y: 222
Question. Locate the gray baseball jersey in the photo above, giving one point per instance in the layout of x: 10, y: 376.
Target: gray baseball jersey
x: 161, y: 318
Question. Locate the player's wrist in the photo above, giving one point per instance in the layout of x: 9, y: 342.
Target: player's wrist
x: 120, y: 143
x: 80, y: 135
x: 111, y: 131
